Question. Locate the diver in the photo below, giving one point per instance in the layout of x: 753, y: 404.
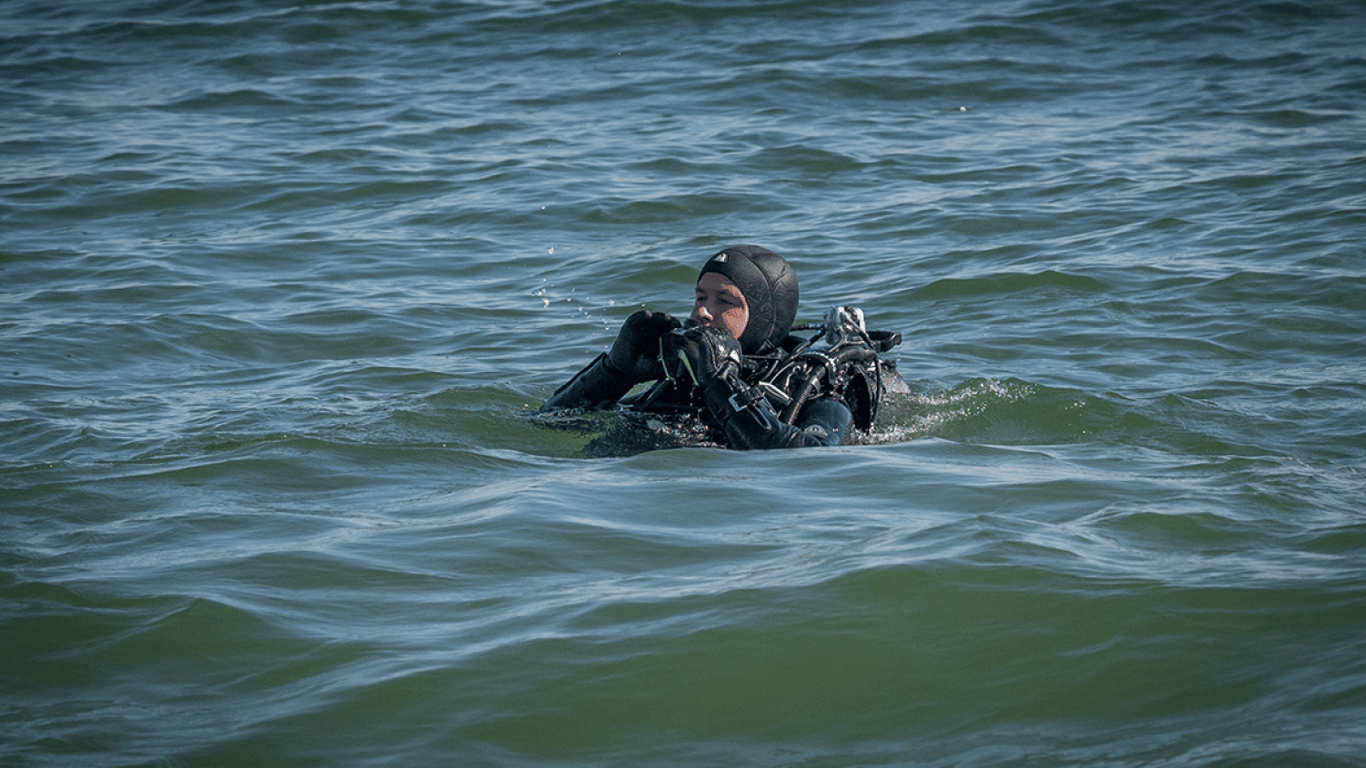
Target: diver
x: 736, y: 365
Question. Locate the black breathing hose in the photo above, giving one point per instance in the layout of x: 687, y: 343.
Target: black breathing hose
x: 823, y: 366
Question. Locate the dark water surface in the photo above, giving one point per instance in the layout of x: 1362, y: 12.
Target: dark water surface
x: 281, y: 282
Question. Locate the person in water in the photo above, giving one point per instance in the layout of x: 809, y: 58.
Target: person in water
x: 735, y: 364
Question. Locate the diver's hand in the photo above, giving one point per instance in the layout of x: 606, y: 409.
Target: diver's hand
x: 699, y: 354
x: 635, y: 353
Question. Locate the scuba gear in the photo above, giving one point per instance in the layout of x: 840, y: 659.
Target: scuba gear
x: 846, y: 366
x: 764, y: 389
x: 750, y: 421
x: 711, y: 362
x: 770, y: 289
x: 809, y: 392
x: 807, y: 398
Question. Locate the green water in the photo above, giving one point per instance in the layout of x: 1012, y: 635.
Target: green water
x: 281, y: 286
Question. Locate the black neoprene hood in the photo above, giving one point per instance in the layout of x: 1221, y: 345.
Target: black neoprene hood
x: 770, y: 290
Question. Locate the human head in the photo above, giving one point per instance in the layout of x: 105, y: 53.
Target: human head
x: 720, y: 304
x: 769, y: 290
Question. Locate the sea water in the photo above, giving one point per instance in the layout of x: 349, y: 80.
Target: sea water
x: 282, y: 284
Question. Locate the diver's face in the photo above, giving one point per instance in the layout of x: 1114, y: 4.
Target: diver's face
x: 720, y: 304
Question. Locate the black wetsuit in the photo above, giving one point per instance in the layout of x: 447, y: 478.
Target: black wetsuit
x: 772, y: 401
x: 744, y: 414
x: 764, y: 389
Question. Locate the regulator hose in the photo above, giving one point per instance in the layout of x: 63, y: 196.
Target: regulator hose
x: 823, y: 366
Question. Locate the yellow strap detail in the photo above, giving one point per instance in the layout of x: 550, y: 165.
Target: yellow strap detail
x: 682, y: 356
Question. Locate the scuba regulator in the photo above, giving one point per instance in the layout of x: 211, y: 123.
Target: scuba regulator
x: 842, y: 358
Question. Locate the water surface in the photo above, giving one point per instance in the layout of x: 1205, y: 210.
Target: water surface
x: 282, y: 284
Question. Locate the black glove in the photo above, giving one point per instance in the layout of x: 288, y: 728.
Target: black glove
x: 635, y: 353
x: 699, y: 354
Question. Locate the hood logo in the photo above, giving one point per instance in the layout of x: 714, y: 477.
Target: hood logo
x: 720, y: 258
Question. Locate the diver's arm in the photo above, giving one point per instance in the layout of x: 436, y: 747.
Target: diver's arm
x: 599, y: 385
x: 752, y: 423
x: 634, y: 358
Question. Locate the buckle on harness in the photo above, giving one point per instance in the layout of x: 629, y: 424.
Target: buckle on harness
x: 745, y: 399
